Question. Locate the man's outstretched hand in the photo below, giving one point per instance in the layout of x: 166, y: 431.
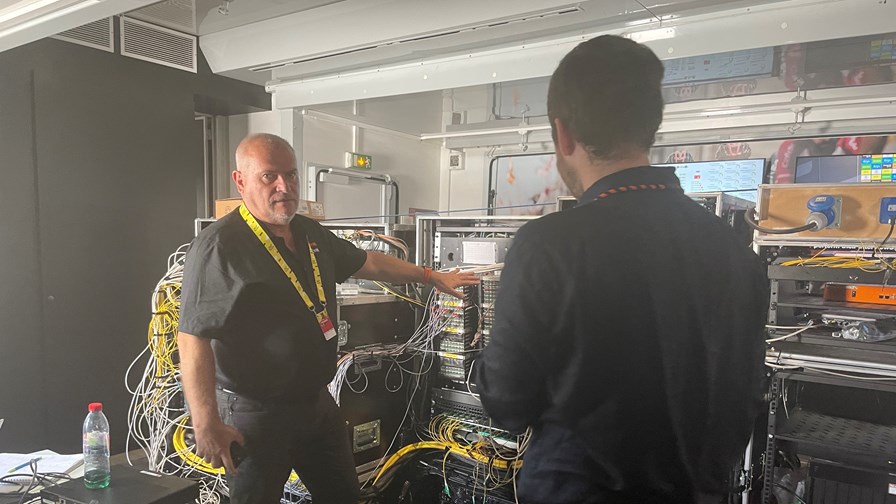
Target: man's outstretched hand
x: 449, y: 281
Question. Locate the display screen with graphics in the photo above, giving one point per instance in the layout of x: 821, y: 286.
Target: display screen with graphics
x: 727, y: 65
x: 738, y: 177
x: 867, y: 168
x: 525, y: 185
x: 876, y: 168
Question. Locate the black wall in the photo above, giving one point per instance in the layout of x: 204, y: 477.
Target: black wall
x: 100, y: 162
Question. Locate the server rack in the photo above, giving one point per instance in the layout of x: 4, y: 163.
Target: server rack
x: 830, y: 430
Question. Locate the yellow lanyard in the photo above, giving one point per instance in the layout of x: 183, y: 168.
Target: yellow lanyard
x: 272, y: 250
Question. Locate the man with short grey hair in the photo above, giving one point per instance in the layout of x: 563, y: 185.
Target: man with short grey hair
x: 256, y: 340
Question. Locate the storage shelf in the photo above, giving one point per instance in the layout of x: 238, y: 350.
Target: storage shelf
x: 820, y: 338
x: 807, y: 301
x: 841, y: 434
x: 840, y: 275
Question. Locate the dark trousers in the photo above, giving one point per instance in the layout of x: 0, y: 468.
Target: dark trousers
x: 558, y: 469
x: 308, y: 436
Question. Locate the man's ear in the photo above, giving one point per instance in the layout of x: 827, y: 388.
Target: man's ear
x: 565, y: 143
x: 238, y: 179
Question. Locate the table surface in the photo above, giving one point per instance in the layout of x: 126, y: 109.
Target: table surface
x: 137, y: 457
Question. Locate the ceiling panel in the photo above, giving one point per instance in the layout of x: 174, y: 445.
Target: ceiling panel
x: 217, y: 15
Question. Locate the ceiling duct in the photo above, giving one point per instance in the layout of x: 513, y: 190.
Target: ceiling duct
x: 156, y: 44
x: 426, y: 37
x: 99, y: 34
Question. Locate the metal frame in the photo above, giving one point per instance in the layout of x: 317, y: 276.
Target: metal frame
x: 209, y: 161
x: 427, y: 228
x: 874, y: 367
x: 388, y: 228
x: 768, y: 461
x: 387, y: 194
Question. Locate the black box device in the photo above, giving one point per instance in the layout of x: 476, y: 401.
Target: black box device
x: 129, y: 485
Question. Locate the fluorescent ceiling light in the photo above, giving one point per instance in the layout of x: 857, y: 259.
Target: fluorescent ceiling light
x: 648, y: 35
x: 22, y: 9
x: 709, y: 113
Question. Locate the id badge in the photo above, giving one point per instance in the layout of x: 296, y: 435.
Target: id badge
x: 326, y: 327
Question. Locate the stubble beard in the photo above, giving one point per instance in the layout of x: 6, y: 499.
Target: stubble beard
x: 282, y: 217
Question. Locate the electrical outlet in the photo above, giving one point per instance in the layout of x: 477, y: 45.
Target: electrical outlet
x: 887, y: 210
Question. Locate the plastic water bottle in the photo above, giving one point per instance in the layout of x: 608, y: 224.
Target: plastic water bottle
x: 96, y: 448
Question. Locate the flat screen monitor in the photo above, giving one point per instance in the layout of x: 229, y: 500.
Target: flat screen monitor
x: 737, y: 177
x: 526, y: 184
x: 855, y: 169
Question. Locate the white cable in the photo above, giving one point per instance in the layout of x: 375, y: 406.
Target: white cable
x: 790, y: 335
x: 779, y: 366
x: 852, y: 376
x: 825, y: 371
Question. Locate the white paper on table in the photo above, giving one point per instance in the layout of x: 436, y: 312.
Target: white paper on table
x: 49, y: 462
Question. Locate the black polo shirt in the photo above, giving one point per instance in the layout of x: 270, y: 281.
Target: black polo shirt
x: 629, y: 333
x: 267, y: 344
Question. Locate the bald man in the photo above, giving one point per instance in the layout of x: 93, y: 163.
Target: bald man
x: 256, y: 341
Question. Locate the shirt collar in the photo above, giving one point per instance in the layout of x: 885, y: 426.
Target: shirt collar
x: 295, y: 225
x: 632, y: 177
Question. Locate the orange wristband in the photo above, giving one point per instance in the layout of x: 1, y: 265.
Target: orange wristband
x: 427, y: 275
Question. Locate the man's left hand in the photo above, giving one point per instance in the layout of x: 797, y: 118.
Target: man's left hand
x: 448, y: 282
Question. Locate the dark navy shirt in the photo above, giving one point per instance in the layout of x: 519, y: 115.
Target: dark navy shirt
x: 629, y: 335
x: 268, y: 345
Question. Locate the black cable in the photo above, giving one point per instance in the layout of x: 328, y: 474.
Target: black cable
x: 791, y: 492
x: 12, y: 480
x: 45, y: 479
x: 889, y: 234
x: 748, y: 217
x: 33, y: 484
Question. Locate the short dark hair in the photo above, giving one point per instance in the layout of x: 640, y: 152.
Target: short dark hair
x: 608, y: 93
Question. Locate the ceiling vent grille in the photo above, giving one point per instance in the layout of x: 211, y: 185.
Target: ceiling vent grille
x: 175, y: 14
x: 148, y: 42
x: 99, y: 34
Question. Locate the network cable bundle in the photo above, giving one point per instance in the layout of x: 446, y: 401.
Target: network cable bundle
x: 392, y: 239
x: 453, y: 434
x: 490, y: 284
x: 458, y: 342
x: 455, y: 442
x: 158, y: 419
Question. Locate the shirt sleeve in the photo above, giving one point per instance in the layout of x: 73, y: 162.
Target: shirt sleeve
x: 208, y: 292
x: 347, y: 258
x: 510, y: 371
